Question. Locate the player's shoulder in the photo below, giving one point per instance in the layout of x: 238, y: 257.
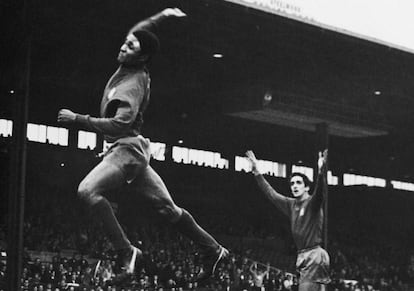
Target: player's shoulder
x: 137, y: 79
x: 141, y: 75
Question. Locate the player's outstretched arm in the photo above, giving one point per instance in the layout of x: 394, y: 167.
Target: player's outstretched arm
x: 151, y: 22
x: 119, y: 123
x: 125, y: 101
x: 322, y: 161
x: 320, y: 187
x: 277, y: 199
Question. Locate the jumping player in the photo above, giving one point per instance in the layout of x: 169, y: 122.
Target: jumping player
x: 305, y: 213
x: 126, y: 162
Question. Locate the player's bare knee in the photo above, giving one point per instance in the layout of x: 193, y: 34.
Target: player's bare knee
x: 83, y: 191
x: 87, y: 195
x: 170, y: 213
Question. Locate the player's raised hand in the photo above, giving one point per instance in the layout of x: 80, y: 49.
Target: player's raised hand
x: 66, y: 116
x: 322, y: 160
x: 251, y: 157
x: 253, y: 161
x: 176, y: 12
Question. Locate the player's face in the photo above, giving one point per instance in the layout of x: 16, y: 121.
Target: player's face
x: 129, y: 50
x: 297, y: 186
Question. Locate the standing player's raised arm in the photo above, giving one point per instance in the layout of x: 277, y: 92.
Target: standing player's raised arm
x: 279, y: 200
x: 319, y: 192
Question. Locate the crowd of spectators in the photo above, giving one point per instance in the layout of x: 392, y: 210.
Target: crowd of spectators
x: 170, y: 262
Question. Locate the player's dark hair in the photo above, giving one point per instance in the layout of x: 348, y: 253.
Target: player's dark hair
x: 149, y: 42
x: 305, y: 178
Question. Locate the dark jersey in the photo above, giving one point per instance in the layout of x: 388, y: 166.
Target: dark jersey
x: 122, y: 105
x: 306, y: 217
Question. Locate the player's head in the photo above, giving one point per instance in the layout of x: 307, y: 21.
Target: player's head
x: 299, y: 184
x: 139, y: 47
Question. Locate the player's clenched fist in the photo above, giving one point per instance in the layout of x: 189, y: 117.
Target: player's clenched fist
x: 66, y: 116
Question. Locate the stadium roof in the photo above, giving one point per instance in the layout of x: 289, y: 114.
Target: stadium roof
x: 220, y: 58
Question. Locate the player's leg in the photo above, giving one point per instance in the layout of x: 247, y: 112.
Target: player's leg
x: 156, y: 192
x: 104, y: 178
x: 100, y: 181
x: 313, y: 266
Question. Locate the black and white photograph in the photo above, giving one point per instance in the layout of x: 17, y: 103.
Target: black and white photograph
x: 224, y: 145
